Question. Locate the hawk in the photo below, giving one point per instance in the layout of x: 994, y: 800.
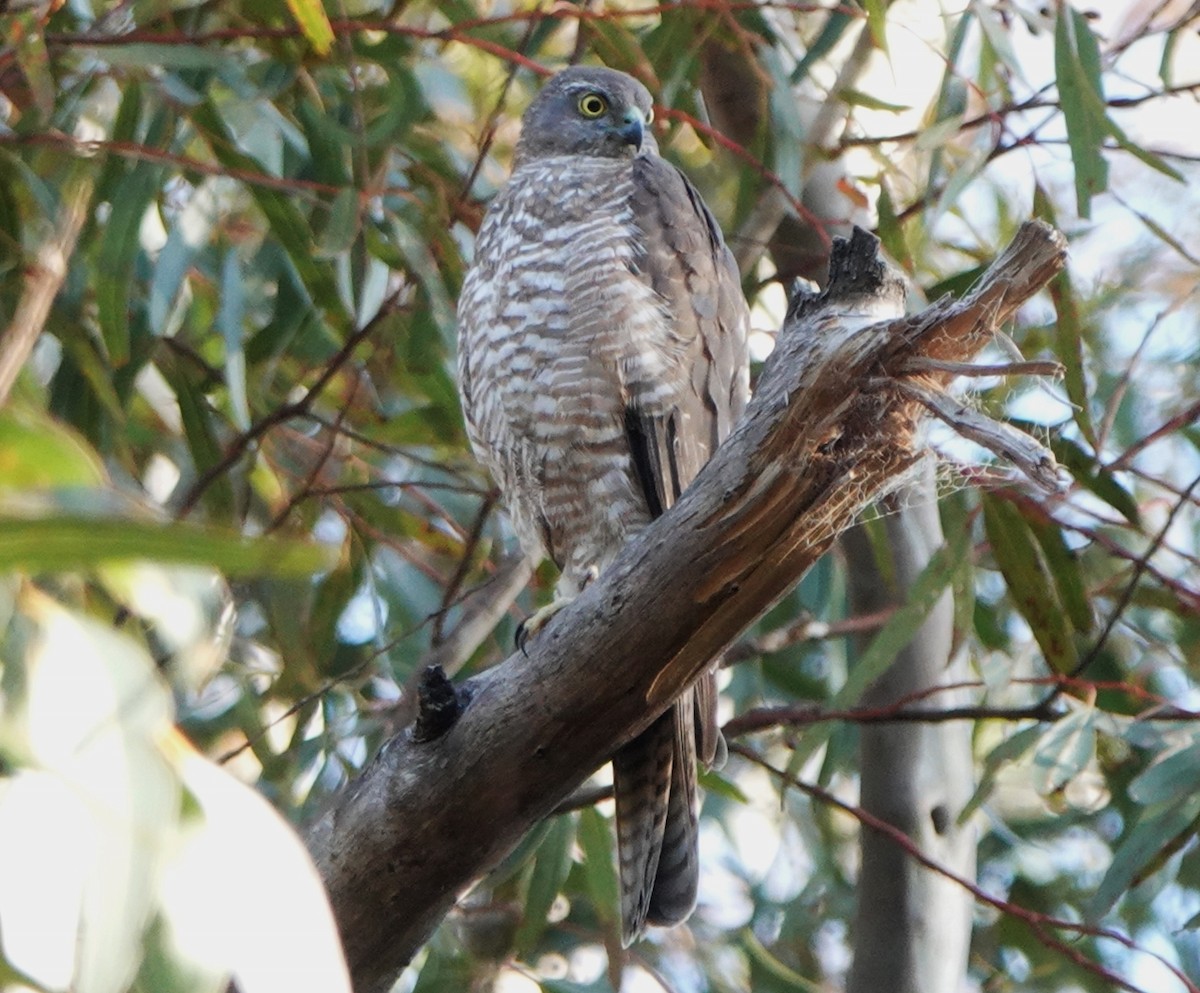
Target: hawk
x: 602, y: 358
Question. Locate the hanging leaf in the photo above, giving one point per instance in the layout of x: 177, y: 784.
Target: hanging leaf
x: 1030, y: 585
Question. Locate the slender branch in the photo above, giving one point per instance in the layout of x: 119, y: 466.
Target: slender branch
x: 1131, y: 587
x: 1039, y: 923
x: 43, y: 279
x: 821, y: 440
x: 279, y: 415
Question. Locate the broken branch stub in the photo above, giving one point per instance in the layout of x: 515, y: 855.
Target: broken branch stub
x: 831, y: 428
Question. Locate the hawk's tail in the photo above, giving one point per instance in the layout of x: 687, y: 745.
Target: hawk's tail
x: 654, y: 782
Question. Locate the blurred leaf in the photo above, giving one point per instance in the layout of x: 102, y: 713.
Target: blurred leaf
x: 780, y: 975
x: 286, y: 222
x: 1064, y: 570
x: 1065, y: 751
x: 714, y: 782
x: 205, y: 449
x: 1069, y: 349
x: 1169, y: 777
x: 229, y: 321
x: 1095, y: 477
x: 550, y: 867
x: 38, y: 453
x: 891, y: 230
x: 856, y: 98
x: 876, y: 22
x: 24, y: 34
x: 836, y: 23
x: 65, y: 542
x: 596, y: 839
x: 1030, y: 585
x: 1077, y: 68
x: 1157, y: 829
x: 1010, y: 750
x: 342, y: 230
x: 998, y: 36
x: 94, y: 813
x: 897, y: 631
x: 314, y: 22
x: 118, y: 251
x: 275, y: 923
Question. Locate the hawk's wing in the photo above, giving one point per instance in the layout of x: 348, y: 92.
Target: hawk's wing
x: 687, y: 264
x: 672, y: 432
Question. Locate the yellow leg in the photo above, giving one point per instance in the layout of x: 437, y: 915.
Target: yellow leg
x: 533, y: 624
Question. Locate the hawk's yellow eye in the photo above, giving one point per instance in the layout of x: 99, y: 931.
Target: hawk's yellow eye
x: 592, y: 105
x: 650, y: 116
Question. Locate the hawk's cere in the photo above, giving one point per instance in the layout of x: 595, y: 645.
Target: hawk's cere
x: 602, y: 358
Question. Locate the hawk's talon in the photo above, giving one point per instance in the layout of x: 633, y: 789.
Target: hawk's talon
x: 533, y: 624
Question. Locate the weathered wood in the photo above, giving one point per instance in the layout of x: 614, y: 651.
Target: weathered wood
x: 830, y: 429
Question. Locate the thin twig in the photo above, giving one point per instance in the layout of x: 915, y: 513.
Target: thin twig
x: 43, y: 279
x: 1039, y: 923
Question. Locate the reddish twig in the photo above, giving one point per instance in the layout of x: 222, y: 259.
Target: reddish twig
x: 1039, y: 924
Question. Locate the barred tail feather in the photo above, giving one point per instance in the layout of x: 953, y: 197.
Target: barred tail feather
x: 678, y: 877
x: 641, y: 784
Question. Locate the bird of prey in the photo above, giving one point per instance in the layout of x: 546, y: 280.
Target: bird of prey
x: 602, y: 358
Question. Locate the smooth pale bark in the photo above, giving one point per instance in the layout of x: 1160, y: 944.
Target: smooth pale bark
x: 831, y: 428
x: 912, y: 927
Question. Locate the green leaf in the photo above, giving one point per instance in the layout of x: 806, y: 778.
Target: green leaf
x: 1009, y: 750
x: 1030, y: 586
x: 1158, y: 831
x: 891, y: 230
x: 831, y: 33
x: 314, y: 22
x: 1077, y: 69
x: 600, y: 874
x: 61, y: 542
x: 118, y: 251
x: 1169, y: 777
x: 1064, y: 570
x: 856, y: 98
x: 998, y: 36
x: 39, y: 453
x: 781, y: 976
x: 899, y: 630
x: 287, y: 224
x: 1095, y: 477
x: 201, y: 436
x: 877, y: 22
x: 1065, y: 751
x: 550, y: 867
x: 230, y: 317
x: 714, y: 782
x: 342, y: 230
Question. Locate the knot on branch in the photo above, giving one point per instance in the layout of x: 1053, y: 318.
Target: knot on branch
x: 860, y: 281
x: 438, y: 705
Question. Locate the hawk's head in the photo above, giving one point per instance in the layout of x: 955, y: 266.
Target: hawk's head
x: 586, y: 110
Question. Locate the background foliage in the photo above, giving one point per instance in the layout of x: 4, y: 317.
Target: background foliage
x: 237, y: 513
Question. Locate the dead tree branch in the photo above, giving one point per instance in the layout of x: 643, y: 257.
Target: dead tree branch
x: 830, y: 429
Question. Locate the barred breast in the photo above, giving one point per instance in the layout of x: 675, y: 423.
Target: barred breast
x: 557, y: 336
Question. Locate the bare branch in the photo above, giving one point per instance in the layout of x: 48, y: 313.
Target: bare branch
x: 42, y: 282
x: 821, y: 440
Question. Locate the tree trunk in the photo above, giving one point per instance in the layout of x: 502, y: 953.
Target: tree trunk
x: 912, y: 927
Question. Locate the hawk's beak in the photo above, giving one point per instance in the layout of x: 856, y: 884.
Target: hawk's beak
x: 634, y: 128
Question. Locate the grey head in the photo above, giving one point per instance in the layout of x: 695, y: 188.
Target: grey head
x: 591, y: 111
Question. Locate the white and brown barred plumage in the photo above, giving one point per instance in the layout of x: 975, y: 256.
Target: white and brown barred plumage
x: 602, y: 358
